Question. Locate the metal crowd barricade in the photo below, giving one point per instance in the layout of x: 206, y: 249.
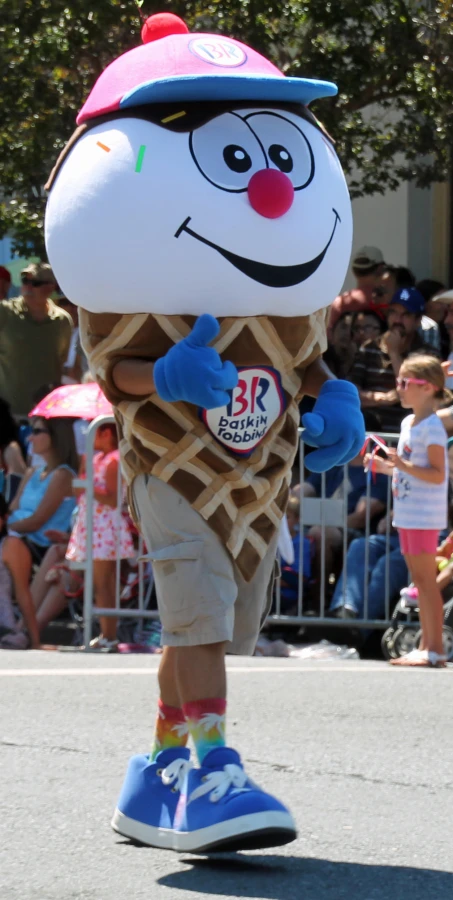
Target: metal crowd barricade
x: 333, y: 511
x: 89, y: 611
x: 321, y: 511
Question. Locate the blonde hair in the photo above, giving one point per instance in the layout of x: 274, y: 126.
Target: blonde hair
x: 293, y: 506
x: 423, y: 366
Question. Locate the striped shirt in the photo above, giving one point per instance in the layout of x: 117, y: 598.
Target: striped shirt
x: 416, y: 503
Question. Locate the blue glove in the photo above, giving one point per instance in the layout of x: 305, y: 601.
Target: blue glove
x: 336, y: 426
x: 193, y: 372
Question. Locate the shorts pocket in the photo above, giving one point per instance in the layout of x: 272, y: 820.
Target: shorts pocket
x: 184, y: 550
x: 181, y: 584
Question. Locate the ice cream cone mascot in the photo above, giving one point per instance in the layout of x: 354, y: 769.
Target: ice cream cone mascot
x: 200, y: 219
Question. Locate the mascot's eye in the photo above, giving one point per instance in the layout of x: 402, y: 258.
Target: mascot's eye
x: 287, y: 146
x: 236, y: 158
x: 227, y: 152
x: 281, y: 158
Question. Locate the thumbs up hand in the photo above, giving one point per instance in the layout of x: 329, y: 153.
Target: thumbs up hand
x: 193, y: 372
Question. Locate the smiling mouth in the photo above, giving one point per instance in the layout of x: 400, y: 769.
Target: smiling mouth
x: 271, y: 276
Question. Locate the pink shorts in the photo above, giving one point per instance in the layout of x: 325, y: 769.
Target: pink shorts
x: 414, y: 541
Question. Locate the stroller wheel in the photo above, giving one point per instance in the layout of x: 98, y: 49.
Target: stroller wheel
x: 447, y: 638
x: 405, y: 639
x: 387, y: 644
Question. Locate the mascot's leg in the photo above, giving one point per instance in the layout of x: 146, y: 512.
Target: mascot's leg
x: 147, y: 804
x: 206, y: 608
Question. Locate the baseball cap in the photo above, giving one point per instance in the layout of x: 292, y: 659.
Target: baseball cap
x: 5, y: 275
x: 412, y: 300
x: 40, y: 272
x: 367, y: 257
x: 176, y: 66
x: 443, y: 297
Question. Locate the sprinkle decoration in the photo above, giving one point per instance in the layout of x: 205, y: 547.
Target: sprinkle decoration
x: 174, y: 116
x: 103, y: 147
x: 140, y: 157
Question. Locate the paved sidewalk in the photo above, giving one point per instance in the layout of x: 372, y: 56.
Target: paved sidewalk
x: 361, y: 753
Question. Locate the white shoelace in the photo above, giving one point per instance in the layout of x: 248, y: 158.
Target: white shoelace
x: 218, y: 783
x: 175, y: 773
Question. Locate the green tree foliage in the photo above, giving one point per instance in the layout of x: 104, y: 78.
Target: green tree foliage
x: 391, y: 59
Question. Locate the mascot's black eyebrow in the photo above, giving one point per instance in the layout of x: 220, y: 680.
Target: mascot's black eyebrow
x: 181, y: 117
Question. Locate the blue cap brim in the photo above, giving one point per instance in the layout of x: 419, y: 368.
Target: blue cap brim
x: 190, y: 88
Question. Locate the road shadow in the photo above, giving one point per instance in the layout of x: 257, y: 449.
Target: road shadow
x: 294, y: 878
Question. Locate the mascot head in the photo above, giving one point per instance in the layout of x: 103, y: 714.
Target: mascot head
x: 199, y: 181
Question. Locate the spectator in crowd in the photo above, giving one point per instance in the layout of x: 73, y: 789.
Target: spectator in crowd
x: 367, y: 265
x: 44, y: 501
x: 5, y: 283
x: 76, y: 365
x: 378, y: 362
x: 289, y: 585
x: 53, y: 581
x: 34, y: 339
x: 392, y: 280
x: 429, y: 289
x: 12, y: 462
x: 366, y: 326
x: 419, y: 471
x: 348, y: 601
x: 446, y: 414
x: 440, y: 309
x: 341, y: 350
x: 111, y: 532
x: 10, y: 636
x: 355, y: 488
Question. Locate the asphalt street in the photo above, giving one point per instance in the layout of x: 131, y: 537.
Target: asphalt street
x: 359, y: 751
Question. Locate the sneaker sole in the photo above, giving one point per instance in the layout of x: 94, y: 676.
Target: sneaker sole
x: 163, y: 838
x: 253, y: 832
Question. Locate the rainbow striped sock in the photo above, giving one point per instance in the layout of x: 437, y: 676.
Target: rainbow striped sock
x: 206, y: 721
x: 171, y: 729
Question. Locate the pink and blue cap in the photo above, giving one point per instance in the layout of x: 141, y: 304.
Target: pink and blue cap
x: 175, y: 66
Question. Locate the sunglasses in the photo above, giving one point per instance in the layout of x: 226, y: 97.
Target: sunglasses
x: 39, y: 431
x: 403, y: 383
x: 34, y: 282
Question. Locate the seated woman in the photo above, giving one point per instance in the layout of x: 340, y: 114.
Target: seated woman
x: 12, y: 463
x: 53, y: 583
x: 44, y: 502
x: 11, y: 638
x: 348, y: 598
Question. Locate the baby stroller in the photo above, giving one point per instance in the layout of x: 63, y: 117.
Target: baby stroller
x: 404, y: 633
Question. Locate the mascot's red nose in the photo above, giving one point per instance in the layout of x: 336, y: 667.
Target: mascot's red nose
x: 271, y: 193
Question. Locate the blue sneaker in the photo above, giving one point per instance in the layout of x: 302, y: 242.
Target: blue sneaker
x: 220, y: 808
x: 149, y: 797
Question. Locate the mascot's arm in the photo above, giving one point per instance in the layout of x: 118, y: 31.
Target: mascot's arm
x: 190, y: 371
x: 134, y: 377
x: 335, y: 426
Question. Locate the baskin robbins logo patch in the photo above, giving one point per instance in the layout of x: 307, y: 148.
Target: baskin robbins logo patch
x: 218, y: 52
x: 256, y: 403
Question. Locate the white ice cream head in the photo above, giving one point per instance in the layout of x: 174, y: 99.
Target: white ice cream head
x: 216, y: 205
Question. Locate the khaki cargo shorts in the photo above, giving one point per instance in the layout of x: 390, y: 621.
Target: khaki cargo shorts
x: 202, y: 597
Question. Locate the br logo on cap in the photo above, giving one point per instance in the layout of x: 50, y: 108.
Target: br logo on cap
x: 218, y: 52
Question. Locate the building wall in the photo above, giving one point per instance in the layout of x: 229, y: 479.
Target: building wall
x: 410, y: 225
